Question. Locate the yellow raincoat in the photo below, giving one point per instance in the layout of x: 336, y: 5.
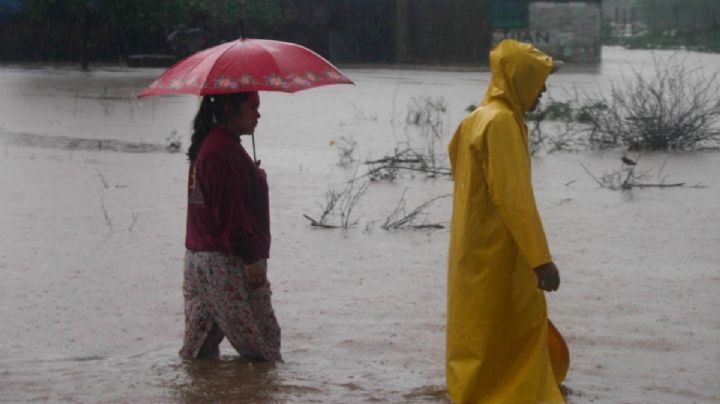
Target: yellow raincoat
x: 497, y: 326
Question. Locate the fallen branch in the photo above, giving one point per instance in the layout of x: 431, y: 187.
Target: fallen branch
x: 387, y: 168
x: 105, y: 212
x: 395, y: 160
x: 315, y: 223
x: 351, y: 196
x: 428, y: 226
x: 135, y: 216
x: 399, y: 219
x: 102, y: 179
x: 342, y: 203
x: 331, y: 199
x: 680, y: 184
x: 377, y: 173
x: 626, y: 179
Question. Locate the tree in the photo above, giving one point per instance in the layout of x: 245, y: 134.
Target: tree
x: 109, y: 29
x: 684, y: 15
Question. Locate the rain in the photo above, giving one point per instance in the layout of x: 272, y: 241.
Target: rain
x: 94, y: 196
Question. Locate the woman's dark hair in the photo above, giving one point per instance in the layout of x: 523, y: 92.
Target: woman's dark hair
x: 212, y: 111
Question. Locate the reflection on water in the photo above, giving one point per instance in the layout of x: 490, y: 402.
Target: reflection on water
x: 226, y: 380
x: 156, y: 377
x: 75, y: 143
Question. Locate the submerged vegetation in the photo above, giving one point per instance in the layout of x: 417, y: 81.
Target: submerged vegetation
x: 671, y: 108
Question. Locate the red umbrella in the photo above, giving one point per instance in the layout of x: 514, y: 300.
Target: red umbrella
x: 247, y: 65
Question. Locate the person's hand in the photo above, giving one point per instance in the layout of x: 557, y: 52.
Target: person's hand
x: 548, y: 277
x: 256, y: 274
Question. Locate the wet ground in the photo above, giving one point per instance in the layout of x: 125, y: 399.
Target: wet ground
x: 92, y: 215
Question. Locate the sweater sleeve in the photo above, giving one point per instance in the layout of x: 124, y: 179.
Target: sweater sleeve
x: 509, y: 181
x: 227, y: 186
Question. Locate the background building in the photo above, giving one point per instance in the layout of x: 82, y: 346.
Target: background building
x: 621, y: 17
x: 428, y: 32
x: 568, y: 30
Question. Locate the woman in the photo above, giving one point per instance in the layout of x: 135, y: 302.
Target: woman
x: 226, y: 290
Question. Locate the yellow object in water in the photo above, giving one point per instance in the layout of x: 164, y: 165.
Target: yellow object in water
x: 497, y: 325
x: 559, y: 353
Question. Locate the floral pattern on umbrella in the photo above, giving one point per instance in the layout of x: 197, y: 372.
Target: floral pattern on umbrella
x: 276, y: 81
x: 333, y: 75
x: 299, y: 81
x: 224, y: 82
x: 194, y: 82
x: 247, y: 79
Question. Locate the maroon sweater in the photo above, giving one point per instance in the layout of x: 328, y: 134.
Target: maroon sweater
x: 228, y: 207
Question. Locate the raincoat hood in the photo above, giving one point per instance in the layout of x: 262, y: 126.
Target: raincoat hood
x: 519, y: 71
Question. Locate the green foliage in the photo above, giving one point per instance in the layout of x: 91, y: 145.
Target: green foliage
x: 264, y: 16
x: 606, y: 32
x: 683, y: 15
x: 141, y: 15
x: 553, y: 111
x: 564, y: 117
x: 706, y: 41
x: 584, y: 113
x: 559, y: 111
x: 109, y: 29
x: 38, y: 10
x: 564, y: 111
x: 671, y: 24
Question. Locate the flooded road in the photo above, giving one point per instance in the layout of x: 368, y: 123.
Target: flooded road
x: 92, y: 212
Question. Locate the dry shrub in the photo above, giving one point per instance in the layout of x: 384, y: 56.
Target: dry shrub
x: 674, y: 108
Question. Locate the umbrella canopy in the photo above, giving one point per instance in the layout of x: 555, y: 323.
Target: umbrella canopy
x: 247, y: 65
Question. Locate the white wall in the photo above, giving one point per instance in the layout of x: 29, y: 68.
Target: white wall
x: 569, y: 31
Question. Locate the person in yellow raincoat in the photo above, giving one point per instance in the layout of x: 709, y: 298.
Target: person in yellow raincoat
x: 499, y: 261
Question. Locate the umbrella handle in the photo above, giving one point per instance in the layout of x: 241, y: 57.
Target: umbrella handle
x: 253, y: 143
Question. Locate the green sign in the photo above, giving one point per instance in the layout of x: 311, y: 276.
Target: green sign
x: 509, y: 13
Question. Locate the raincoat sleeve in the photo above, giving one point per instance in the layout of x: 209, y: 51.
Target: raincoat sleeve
x: 507, y: 166
x: 226, y: 185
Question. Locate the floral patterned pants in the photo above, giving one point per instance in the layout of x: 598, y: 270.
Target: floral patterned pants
x: 218, y: 304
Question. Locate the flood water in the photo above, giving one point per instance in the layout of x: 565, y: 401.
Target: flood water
x: 92, y: 214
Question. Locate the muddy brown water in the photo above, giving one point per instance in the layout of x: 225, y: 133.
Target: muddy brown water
x: 92, y: 220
